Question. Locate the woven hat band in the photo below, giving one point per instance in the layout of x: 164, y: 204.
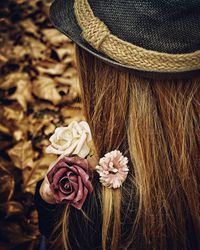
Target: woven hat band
x: 97, y: 34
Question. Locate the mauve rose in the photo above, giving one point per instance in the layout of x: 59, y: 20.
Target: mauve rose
x: 69, y: 181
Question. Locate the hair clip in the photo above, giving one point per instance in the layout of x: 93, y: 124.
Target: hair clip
x: 113, y: 169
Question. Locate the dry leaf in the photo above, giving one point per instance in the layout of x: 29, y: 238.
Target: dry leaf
x: 49, y: 129
x: 9, y: 81
x: 29, y: 26
x: 71, y: 114
x: 11, y: 208
x: 32, y: 175
x: 4, y: 129
x: 20, y: 52
x: 36, y: 125
x: 62, y: 52
x: 55, y: 37
x: 51, y: 68
x: 39, y: 106
x: 22, y: 94
x: 44, y: 88
x: 3, y: 58
x: 13, y: 114
x: 37, y: 49
x: 18, y: 135
x: 22, y: 154
x: 7, y: 186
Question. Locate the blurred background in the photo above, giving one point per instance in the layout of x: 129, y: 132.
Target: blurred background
x: 39, y: 91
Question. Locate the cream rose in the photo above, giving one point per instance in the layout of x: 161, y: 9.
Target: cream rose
x: 73, y: 139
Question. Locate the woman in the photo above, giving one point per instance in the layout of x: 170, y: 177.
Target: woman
x: 139, y: 68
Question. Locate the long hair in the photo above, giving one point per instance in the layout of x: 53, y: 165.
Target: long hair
x: 156, y: 123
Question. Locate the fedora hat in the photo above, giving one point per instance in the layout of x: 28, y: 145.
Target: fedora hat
x: 154, y: 38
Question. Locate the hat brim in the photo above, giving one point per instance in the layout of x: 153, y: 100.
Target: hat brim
x: 62, y: 16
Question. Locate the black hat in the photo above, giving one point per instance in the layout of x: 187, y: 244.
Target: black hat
x: 151, y: 37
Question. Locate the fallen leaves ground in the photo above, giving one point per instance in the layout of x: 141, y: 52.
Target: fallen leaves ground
x: 38, y: 91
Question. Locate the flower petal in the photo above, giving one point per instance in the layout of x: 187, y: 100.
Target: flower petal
x: 65, y: 186
x: 85, y: 179
x: 84, y: 151
x: 52, y: 150
x: 80, y: 144
x: 70, y: 149
x: 79, y: 194
x: 57, y: 176
x: 84, y: 125
x: 79, y: 204
x: 75, y: 186
x: 64, y: 197
x: 77, y: 161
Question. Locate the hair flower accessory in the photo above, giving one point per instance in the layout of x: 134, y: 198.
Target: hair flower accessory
x: 113, y: 169
x: 73, y: 139
x: 69, y: 181
x: 68, y: 178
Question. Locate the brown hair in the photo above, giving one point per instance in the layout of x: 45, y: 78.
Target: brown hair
x: 156, y: 123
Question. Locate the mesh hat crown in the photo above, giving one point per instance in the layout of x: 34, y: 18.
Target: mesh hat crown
x: 152, y: 38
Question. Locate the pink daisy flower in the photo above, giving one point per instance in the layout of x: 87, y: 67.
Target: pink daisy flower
x: 113, y: 169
